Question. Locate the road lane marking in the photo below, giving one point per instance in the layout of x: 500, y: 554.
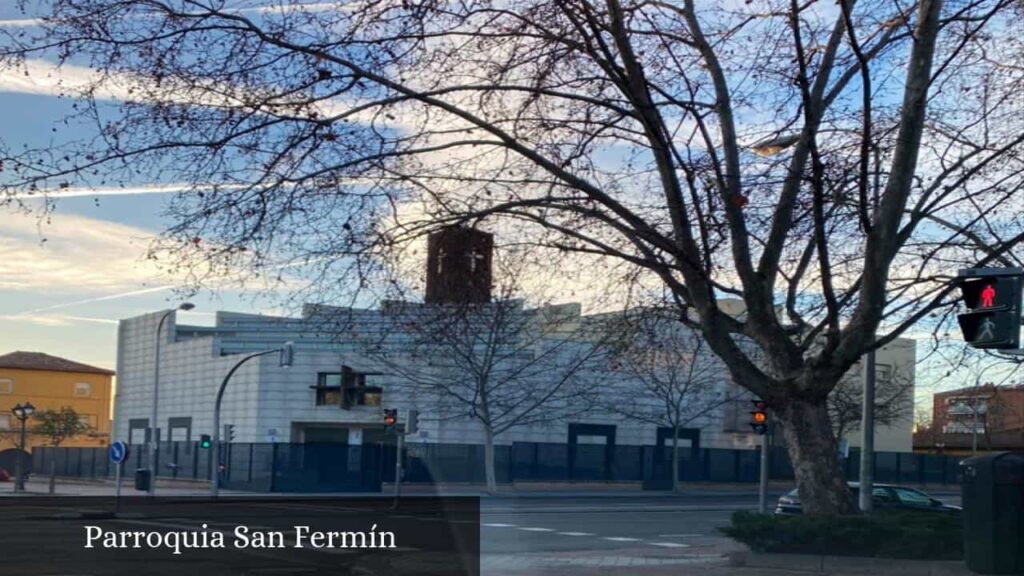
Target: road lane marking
x: 621, y: 539
x: 679, y: 535
x: 498, y: 525
x: 538, y: 529
x: 669, y: 544
x: 577, y: 534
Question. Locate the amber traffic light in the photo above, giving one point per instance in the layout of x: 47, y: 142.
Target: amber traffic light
x: 759, y: 417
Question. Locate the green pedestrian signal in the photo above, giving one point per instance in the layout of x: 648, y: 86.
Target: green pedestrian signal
x: 205, y: 442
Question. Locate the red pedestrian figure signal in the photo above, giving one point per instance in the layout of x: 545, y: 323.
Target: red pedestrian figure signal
x: 988, y: 296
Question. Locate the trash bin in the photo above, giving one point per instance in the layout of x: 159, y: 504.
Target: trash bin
x: 142, y: 479
x: 992, y: 489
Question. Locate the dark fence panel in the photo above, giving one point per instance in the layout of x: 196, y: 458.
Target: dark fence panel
x: 343, y: 468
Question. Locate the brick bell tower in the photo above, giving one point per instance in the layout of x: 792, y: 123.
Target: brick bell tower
x: 459, y: 264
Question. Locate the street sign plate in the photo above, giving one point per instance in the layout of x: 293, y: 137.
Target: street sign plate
x: 118, y: 452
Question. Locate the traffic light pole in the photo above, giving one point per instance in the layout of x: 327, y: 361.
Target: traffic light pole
x: 215, y: 447
x: 762, y: 488
x: 400, y: 444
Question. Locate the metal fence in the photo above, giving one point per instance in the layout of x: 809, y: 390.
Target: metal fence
x: 279, y: 467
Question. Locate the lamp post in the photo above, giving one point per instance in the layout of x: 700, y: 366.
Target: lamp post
x: 22, y: 412
x: 153, y: 445
x: 867, y: 429
x: 287, y: 353
x: 974, y: 409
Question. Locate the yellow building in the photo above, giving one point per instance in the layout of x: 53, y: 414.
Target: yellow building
x: 51, y: 383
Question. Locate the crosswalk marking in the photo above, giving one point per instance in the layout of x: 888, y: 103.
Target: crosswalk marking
x: 669, y: 544
x: 577, y: 534
x: 538, y: 529
x: 621, y: 539
x: 498, y: 525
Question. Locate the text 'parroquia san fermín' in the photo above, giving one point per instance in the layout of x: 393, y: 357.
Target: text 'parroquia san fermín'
x: 242, y: 537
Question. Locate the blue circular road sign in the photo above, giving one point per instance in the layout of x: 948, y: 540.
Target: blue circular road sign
x: 118, y: 452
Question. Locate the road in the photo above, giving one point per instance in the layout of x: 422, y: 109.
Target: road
x: 547, y: 534
x: 559, y: 535
x: 566, y: 536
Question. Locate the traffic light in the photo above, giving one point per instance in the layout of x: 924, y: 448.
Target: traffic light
x: 287, y: 355
x: 229, y: 432
x: 391, y: 418
x: 759, y: 417
x: 992, y: 297
x: 205, y: 442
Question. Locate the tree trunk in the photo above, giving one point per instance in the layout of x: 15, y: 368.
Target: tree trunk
x: 814, y: 452
x: 675, y: 459
x: 492, y: 483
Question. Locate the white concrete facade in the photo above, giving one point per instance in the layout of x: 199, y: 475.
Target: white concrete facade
x: 268, y: 403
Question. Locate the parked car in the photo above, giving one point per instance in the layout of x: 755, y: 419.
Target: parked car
x: 884, y: 496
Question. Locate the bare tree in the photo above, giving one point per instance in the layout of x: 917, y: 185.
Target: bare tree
x: 499, y: 364
x: 671, y: 379
x: 830, y: 164
x: 894, y: 401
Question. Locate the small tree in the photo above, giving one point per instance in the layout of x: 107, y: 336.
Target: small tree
x: 673, y: 378
x: 56, y: 426
x: 499, y: 363
x: 893, y: 401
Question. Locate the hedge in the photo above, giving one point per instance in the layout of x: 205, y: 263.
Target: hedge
x: 884, y: 534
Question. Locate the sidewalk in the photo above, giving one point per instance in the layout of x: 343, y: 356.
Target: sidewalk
x: 714, y: 563
x: 533, y: 490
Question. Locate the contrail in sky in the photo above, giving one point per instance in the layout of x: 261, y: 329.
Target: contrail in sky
x: 96, y: 299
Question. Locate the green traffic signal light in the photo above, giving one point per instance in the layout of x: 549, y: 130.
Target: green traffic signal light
x: 205, y: 442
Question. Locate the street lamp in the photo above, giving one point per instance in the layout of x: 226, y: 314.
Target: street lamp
x: 773, y: 145
x: 287, y: 355
x: 974, y: 404
x: 153, y: 446
x: 22, y: 412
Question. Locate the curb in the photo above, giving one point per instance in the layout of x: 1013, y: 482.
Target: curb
x: 820, y: 564
x: 94, y: 515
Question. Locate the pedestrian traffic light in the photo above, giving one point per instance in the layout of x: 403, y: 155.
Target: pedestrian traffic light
x: 229, y: 432
x: 205, y: 442
x: 992, y: 297
x: 759, y: 417
x: 391, y: 418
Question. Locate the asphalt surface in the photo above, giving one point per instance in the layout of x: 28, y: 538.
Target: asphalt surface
x: 533, y: 534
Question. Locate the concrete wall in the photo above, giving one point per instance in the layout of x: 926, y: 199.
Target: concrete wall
x: 266, y: 402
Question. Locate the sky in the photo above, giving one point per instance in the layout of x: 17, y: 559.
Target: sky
x: 66, y: 280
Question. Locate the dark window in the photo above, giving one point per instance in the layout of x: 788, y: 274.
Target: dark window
x: 180, y: 430
x: 138, y: 431
x: 345, y: 389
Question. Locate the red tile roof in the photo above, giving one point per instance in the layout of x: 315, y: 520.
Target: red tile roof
x: 39, y: 361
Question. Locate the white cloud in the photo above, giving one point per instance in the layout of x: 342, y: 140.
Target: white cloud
x: 50, y: 320
x: 45, y: 78
x: 74, y: 255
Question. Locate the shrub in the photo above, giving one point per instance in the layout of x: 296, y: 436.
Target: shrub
x: 885, y: 534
